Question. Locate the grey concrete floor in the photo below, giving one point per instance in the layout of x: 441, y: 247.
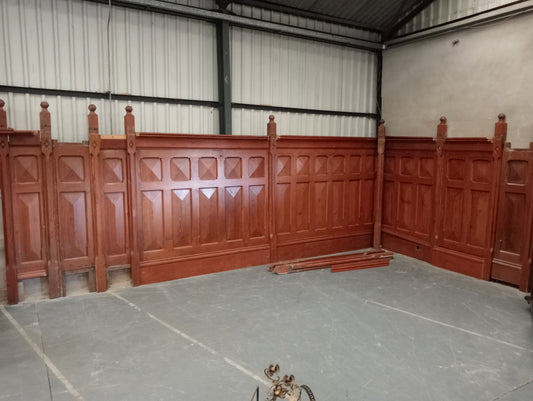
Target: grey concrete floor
x: 408, y: 331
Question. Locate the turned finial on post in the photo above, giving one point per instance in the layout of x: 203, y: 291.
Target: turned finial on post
x: 129, y: 121
x: 381, y: 129
x: 44, y: 104
x: 442, y: 128
x: 271, y: 126
x: 93, y: 120
x: 500, y: 128
x: 3, y: 115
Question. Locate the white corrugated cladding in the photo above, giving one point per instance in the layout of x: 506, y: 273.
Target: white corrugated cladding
x: 441, y: 11
x: 271, y: 69
x: 62, y: 44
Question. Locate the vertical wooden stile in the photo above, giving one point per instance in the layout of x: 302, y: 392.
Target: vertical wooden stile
x: 272, y: 161
x: 97, y: 199
x: 500, y: 136
x: 7, y: 209
x: 378, y: 193
x: 55, y: 275
x: 129, y: 129
x: 442, y: 134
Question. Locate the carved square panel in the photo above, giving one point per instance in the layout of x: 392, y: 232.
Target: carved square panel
x: 427, y: 167
x: 408, y: 166
x: 256, y: 167
x: 233, y: 167
x: 207, y: 168
x: 180, y: 169
x: 370, y: 164
x: 302, y: 165
x: 26, y: 169
x: 337, y: 164
x: 388, y: 167
x: 151, y: 169
x: 517, y: 171
x: 284, y: 166
x: 321, y: 165
x: 113, y: 170
x: 456, y: 169
x: 71, y: 169
x: 355, y: 164
x: 481, y: 171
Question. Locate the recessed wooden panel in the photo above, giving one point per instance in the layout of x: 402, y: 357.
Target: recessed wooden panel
x: 453, y: 214
x: 513, y: 214
x: 233, y: 167
x: 302, y: 206
x: 389, y: 165
x: 151, y: 169
x: 73, y: 224
x: 337, y: 164
x: 28, y: 223
x: 180, y: 169
x: 152, y: 219
x: 26, y: 169
x: 406, y: 206
x: 456, y: 169
x: 481, y: 171
x: 207, y: 168
x: 517, y: 171
x: 408, y: 166
x: 233, y: 212
x: 71, y: 169
x: 354, y: 210
x: 209, y: 215
x: 389, y: 203
x: 370, y: 164
x: 283, y: 208
x: 320, y: 202
x: 115, y: 224
x: 284, y: 166
x: 366, y: 204
x: 337, y: 202
x: 181, y: 217
x: 256, y: 207
x: 112, y: 170
x: 256, y: 167
x: 355, y: 164
x: 479, y: 218
x: 321, y: 165
x: 424, y: 209
x: 427, y: 167
x: 302, y: 165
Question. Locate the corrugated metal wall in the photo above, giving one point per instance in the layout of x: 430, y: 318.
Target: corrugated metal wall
x: 441, y: 11
x: 63, y: 44
x: 271, y: 69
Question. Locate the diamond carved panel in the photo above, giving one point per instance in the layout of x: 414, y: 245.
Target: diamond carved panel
x: 113, y: 170
x: 73, y: 224
x: 151, y: 169
x: 481, y: 170
x: 302, y: 165
x: 28, y: 233
x: 26, y: 169
x: 517, y: 171
x: 256, y: 167
x: 115, y: 240
x: 456, y: 169
x: 233, y: 167
x: 321, y: 165
x: 207, y: 168
x: 180, y: 169
x: 355, y: 164
x: 337, y: 164
x: 71, y: 169
x: 284, y: 166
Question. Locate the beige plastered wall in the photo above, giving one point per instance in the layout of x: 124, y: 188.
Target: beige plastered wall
x: 469, y: 76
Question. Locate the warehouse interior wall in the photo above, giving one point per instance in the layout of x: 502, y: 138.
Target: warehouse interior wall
x: 469, y: 76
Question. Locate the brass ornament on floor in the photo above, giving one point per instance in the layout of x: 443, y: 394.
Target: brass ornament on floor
x: 285, y: 387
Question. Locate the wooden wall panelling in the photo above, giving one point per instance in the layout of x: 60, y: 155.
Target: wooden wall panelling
x: 378, y: 196
x: 512, y: 245
x: 324, y: 195
x: 7, y: 209
x: 95, y: 142
x: 55, y: 276
x: 410, y: 172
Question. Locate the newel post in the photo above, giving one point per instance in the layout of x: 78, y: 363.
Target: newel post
x: 7, y: 209
x: 55, y: 275
x: 272, y: 162
x: 131, y: 149
x: 95, y: 141
x: 378, y: 194
x: 498, y: 142
x: 440, y: 140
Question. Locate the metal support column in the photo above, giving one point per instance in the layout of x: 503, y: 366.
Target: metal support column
x: 224, y: 78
